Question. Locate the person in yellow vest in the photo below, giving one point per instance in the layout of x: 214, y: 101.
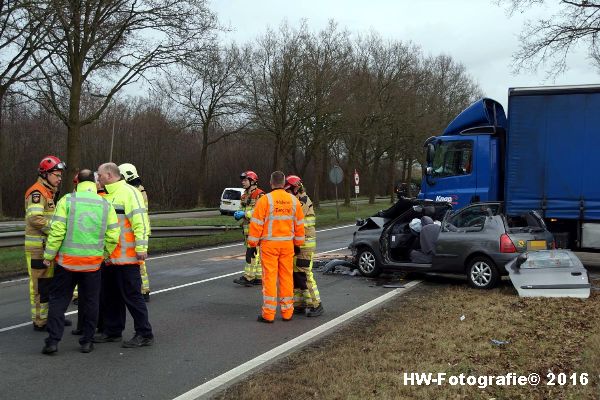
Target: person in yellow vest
x: 306, y: 294
x: 277, y: 225
x: 121, y: 279
x: 252, y: 269
x: 39, y: 207
x: 84, y: 230
x: 130, y: 174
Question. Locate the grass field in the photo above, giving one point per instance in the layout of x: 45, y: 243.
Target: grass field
x: 12, y: 260
x: 422, y: 332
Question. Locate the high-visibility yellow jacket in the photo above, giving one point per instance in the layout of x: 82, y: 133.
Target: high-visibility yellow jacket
x: 39, y: 208
x: 277, y: 219
x: 84, y: 230
x: 133, y: 220
x: 145, y: 196
x: 310, y: 231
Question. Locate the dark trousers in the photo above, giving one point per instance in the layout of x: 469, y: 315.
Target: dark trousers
x: 80, y: 316
x: 122, y: 289
x: 61, y: 292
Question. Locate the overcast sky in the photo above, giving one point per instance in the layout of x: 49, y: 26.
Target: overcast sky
x: 477, y: 33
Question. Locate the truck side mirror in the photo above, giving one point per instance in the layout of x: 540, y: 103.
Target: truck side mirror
x: 430, y: 152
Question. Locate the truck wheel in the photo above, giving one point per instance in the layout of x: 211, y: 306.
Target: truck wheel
x: 482, y: 273
x: 367, y: 263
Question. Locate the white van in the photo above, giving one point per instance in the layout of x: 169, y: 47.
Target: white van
x: 230, y: 200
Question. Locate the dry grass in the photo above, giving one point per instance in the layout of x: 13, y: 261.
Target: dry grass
x: 422, y: 332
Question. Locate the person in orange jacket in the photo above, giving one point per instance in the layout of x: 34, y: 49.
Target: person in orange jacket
x: 277, y: 225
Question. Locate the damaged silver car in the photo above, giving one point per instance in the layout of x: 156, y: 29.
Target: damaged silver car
x: 476, y: 241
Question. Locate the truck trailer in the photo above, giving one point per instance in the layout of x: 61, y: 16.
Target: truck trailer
x: 543, y: 156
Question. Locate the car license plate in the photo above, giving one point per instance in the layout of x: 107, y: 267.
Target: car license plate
x: 537, y: 245
x: 226, y: 202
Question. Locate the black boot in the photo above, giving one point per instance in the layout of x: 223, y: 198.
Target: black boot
x: 315, y: 311
x: 243, y: 281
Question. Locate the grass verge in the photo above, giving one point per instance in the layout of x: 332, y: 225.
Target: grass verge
x: 423, y: 332
x: 12, y: 260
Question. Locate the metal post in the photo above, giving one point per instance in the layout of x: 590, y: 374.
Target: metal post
x: 112, y: 137
x: 337, y: 209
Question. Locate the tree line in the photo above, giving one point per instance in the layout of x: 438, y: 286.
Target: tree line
x: 293, y: 99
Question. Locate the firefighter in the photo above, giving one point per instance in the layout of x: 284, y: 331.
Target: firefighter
x: 252, y: 269
x: 84, y: 229
x: 277, y: 225
x: 122, y: 286
x: 306, y: 294
x: 39, y: 207
x: 130, y: 174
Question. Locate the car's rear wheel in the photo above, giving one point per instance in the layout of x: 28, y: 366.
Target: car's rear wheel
x: 482, y: 273
x: 367, y: 263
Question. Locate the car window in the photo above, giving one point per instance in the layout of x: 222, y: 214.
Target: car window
x: 472, y: 218
x: 231, y: 195
x: 453, y: 158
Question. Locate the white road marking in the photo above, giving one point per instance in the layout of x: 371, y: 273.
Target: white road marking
x: 245, y: 369
x: 14, y: 280
x: 229, y: 245
x: 8, y: 328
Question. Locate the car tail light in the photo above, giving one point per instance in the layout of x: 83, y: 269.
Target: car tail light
x: 506, y: 245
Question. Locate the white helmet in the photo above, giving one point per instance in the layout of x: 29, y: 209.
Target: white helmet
x: 128, y: 171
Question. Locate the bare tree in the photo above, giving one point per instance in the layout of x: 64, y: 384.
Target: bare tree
x: 101, y: 46
x: 19, y: 38
x: 549, y: 40
x: 206, y: 87
x: 273, y: 96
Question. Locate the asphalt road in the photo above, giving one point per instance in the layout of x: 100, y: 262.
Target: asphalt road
x: 204, y: 325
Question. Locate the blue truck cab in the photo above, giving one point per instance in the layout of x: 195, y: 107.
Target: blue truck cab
x: 542, y: 157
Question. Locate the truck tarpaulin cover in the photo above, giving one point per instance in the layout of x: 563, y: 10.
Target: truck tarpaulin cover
x: 485, y: 112
x: 553, y: 154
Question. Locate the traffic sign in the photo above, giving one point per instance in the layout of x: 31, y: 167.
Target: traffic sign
x: 356, y: 178
x: 357, y: 189
x: 336, y: 175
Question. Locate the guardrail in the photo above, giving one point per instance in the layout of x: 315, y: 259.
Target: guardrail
x: 14, y: 239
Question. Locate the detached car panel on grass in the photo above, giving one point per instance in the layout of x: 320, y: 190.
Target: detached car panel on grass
x: 476, y: 241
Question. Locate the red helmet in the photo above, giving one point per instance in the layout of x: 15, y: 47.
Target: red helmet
x: 51, y: 163
x: 292, y: 180
x: 251, y: 175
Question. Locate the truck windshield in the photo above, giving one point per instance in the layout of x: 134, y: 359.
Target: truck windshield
x: 453, y: 158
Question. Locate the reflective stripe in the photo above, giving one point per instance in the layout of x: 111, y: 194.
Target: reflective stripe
x: 286, y: 306
x: 29, y: 238
x: 112, y: 226
x: 252, y: 239
x: 286, y: 298
x: 50, y: 252
x: 298, y: 238
x: 141, y: 243
x: 58, y: 218
x: 257, y: 221
x: 136, y: 211
x: 281, y: 217
x: 124, y: 260
x: 299, y: 222
x: 280, y: 238
x: 269, y: 298
x: 269, y: 306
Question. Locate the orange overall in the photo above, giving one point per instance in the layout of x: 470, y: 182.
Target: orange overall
x: 277, y: 224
